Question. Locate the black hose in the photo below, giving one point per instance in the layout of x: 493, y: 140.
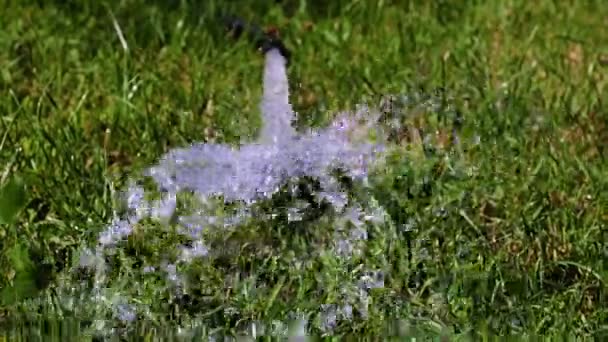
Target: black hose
x: 264, y: 41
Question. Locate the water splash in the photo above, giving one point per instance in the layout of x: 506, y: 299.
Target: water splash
x: 276, y: 110
x: 253, y: 172
x: 257, y: 170
x: 249, y: 173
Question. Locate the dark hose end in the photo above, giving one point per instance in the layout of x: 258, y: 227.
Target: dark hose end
x: 264, y: 41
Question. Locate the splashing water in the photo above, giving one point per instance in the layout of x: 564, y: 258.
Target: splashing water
x: 252, y: 172
x: 276, y: 109
x: 249, y: 173
x: 258, y: 169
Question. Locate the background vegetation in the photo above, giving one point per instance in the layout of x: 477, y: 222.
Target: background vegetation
x: 507, y: 236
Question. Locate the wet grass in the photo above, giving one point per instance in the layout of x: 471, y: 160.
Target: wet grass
x: 506, y: 235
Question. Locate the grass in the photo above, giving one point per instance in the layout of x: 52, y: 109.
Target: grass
x: 505, y: 236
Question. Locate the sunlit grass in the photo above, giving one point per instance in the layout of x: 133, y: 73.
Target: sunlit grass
x: 507, y: 234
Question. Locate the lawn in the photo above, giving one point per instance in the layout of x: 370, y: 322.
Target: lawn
x: 502, y: 233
